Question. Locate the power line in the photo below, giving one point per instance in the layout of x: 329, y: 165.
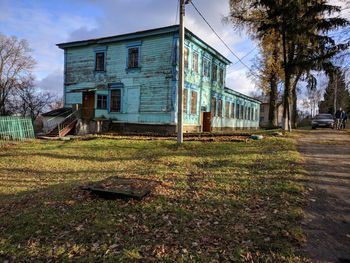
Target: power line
x: 246, y: 55
x: 233, y: 53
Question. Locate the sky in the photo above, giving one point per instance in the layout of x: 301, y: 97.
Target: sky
x: 45, y: 23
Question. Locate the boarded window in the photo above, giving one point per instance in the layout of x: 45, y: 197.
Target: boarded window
x: 184, y: 100
x: 206, y: 67
x: 195, y: 62
x: 100, y: 61
x: 220, y: 108
x: 186, y: 52
x: 221, y: 76
x: 227, y: 109
x: 233, y: 110
x: 215, y: 72
x: 213, y: 106
x: 115, y: 100
x: 133, y: 57
x: 193, y: 102
x: 102, y: 102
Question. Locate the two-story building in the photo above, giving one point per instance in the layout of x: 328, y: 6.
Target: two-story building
x: 130, y: 81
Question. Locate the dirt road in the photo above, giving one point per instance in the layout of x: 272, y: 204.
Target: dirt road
x: 327, y: 221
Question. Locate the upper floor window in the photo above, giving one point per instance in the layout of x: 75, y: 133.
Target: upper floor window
x: 133, y: 57
x: 100, y: 61
x: 115, y: 100
x: 215, y: 72
x: 221, y: 76
x: 101, y: 102
x: 206, y: 68
x: 195, y: 62
x: 186, y: 53
x: 184, y: 102
x: 193, y: 102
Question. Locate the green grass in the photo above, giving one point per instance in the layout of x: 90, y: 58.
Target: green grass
x: 219, y: 201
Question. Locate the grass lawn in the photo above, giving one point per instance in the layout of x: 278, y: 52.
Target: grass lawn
x: 219, y: 201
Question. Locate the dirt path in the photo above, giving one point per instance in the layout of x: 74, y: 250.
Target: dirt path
x: 327, y: 221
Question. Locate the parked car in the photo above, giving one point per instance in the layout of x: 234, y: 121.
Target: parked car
x: 322, y: 120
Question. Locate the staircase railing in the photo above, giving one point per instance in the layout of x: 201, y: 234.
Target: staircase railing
x: 52, y: 122
x: 69, y: 120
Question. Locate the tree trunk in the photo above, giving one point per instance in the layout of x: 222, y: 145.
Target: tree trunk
x: 286, y: 98
x: 273, y: 91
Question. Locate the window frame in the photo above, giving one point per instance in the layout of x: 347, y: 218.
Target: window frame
x: 100, y: 50
x: 195, y: 66
x: 206, y: 60
x: 186, y: 62
x: 97, y: 101
x: 221, y: 76
x: 194, y: 107
x: 216, y: 72
x: 227, y: 109
x: 232, y: 115
x: 220, y: 107
x: 120, y: 102
x: 185, y: 101
x: 133, y: 45
x: 214, y: 107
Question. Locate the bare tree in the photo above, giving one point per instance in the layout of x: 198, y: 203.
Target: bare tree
x: 16, y: 65
x: 28, y: 102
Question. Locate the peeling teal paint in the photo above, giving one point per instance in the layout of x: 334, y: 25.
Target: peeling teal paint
x: 149, y: 93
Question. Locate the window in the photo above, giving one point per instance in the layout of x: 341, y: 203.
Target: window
x: 221, y: 76
x: 249, y: 113
x: 233, y: 110
x: 238, y: 112
x: 193, y: 102
x: 215, y: 72
x: 185, y: 98
x: 227, y: 109
x: 102, y: 102
x: 213, y: 107
x: 100, y: 61
x: 242, y: 112
x: 206, y: 67
x: 220, y: 108
x: 261, y: 119
x: 133, y: 57
x: 186, y: 52
x: 195, y: 62
x: 115, y: 100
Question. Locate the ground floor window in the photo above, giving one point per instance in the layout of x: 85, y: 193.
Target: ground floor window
x: 213, y: 107
x: 194, y: 102
x: 232, y: 110
x: 184, y: 102
x: 101, y: 102
x: 220, y: 108
x: 238, y: 111
x: 115, y: 100
x: 227, y: 109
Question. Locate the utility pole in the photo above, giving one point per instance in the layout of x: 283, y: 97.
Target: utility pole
x: 181, y: 72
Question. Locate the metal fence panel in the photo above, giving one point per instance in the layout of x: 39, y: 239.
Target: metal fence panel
x: 16, y: 129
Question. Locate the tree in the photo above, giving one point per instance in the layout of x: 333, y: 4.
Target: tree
x: 336, y: 91
x: 27, y: 102
x: 302, y: 28
x: 16, y: 65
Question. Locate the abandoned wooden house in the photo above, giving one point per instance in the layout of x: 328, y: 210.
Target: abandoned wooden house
x: 129, y: 83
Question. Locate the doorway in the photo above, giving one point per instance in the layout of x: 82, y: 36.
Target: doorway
x: 88, y: 107
x: 206, y: 122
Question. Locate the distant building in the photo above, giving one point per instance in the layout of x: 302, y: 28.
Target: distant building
x: 264, y: 115
x: 130, y: 81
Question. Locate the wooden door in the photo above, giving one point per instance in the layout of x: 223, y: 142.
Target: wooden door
x: 206, y: 122
x: 88, y: 107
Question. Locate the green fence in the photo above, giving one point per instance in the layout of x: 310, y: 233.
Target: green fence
x: 16, y: 129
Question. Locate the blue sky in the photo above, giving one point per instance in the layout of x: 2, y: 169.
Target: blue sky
x: 46, y: 23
